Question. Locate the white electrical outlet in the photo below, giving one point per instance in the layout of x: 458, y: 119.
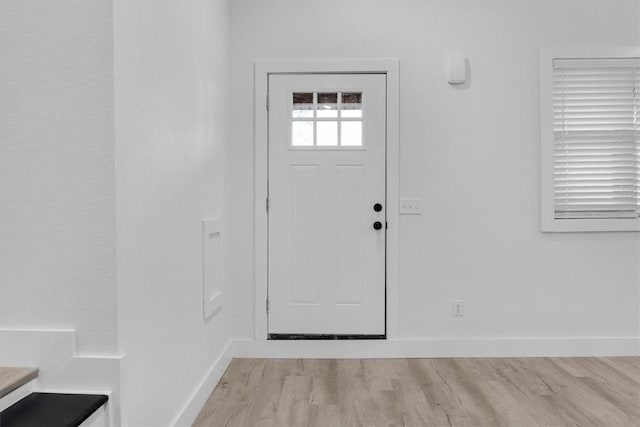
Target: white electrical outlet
x: 457, y: 308
x: 410, y: 206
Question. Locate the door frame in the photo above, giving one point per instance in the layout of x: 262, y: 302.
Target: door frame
x: 262, y: 70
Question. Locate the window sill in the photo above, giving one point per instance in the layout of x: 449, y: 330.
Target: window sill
x: 553, y: 225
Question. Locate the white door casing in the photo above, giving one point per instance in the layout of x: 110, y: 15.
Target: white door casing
x: 326, y: 262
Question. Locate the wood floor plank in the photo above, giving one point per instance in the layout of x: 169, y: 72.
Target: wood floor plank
x: 223, y: 413
x: 439, y: 394
x: 592, y: 404
x: 325, y: 416
x: 354, y: 406
x: 467, y: 393
x: 263, y: 406
x: 515, y: 398
x: 510, y: 409
x: 414, y: 408
x: 324, y: 383
x: 324, y: 390
x: 426, y: 392
x: 531, y: 391
x: 628, y: 370
x: 607, y: 382
x: 293, y: 408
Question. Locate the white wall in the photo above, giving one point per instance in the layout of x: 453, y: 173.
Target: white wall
x: 471, y: 154
x: 171, y: 96
x: 57, y: 189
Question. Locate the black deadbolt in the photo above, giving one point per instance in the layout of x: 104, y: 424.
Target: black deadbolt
x: 377, y: 225
x: 377, y: 207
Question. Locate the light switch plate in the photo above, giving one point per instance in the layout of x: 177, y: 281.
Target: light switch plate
x: 410, y: 206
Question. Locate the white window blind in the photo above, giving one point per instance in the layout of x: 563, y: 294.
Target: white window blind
x: 596, y: 128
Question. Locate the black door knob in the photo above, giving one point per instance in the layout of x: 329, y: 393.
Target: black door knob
x: 377, y: 225
x: 377, y: 207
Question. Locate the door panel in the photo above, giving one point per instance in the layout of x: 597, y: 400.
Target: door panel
x: 351, y: 226
x: 304, y: 234
x: 326, y: 171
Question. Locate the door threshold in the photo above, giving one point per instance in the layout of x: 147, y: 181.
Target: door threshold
x: 325, y: 337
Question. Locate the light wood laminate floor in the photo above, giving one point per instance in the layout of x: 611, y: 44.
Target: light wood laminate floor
x: 427, y: 392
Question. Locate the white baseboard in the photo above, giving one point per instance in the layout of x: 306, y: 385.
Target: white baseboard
x: 60, y: 369
x: 440, y: 347
x: 200, y: 396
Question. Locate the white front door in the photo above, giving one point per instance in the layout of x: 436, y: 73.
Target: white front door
x: 327, y: 204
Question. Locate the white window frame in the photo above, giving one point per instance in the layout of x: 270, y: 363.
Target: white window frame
x: 549, y: 222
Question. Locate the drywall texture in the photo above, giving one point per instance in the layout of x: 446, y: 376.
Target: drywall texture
x: 471, y: 154
x: 171, y: 95
x: 57, y: 183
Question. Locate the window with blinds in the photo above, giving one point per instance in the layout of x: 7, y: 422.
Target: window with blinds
x: 596, y: 137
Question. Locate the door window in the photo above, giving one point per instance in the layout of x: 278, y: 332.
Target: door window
x: 326, y: 120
